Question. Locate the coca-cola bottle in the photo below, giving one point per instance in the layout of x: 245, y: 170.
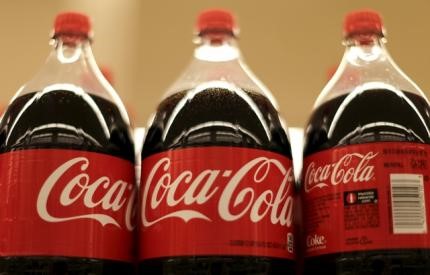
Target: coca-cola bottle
x: 217, y: 185
x: 367, y: 158
x: 67, y: 180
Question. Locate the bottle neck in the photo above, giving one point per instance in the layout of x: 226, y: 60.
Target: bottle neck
x: 217, y: 62
x: 71, y: 66
x: 71, y: 63
x: 69, y: 49
x: 217, y: 48
x: 361, y: 50
x: 366, y: 65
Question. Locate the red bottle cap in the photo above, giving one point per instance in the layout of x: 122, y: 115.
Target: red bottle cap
x: 362, y: 22
x: 72, y: 23
x: 218, y: 20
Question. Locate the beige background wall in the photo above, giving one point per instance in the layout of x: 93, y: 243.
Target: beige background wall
x: 288, y: 44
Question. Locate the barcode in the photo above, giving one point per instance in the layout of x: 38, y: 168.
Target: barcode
x: 408, y: 204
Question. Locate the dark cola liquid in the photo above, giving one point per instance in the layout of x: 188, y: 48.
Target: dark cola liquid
x: 63, y: 119
x: 372, y: 116
x: 216, y: 117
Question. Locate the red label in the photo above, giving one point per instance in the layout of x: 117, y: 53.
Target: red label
x: 66, y: 203
x: 217, y: 201
x: 366, y: 197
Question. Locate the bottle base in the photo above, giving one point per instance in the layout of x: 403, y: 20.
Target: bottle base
x: 62, y: 266
x: 395, y: 262
x: 217, y: 265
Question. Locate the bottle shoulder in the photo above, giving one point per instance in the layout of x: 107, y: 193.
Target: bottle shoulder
x: 216, y: 113
x: 371, y: 115
x: 234, y: 70
x: 65, y: 119
x: 364, y: 67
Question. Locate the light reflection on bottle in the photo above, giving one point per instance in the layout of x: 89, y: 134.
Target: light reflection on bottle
x: 221, y: 53
x: 217, y: 85
x: 368, y: 87
x: 206, y: 130
x: 62, y: 87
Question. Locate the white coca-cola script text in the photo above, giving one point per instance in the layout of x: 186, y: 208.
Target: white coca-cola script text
x: 118, y: 196
x: 354, y: 167
x: 234, y: 192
